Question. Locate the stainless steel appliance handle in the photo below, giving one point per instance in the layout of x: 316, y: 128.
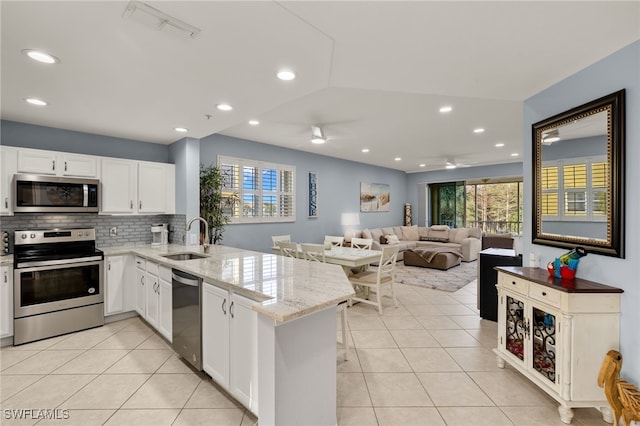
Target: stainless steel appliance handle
x: 85, y: 195
x: 58, y: 262
x: 48, y: 266
x: 185, y: 281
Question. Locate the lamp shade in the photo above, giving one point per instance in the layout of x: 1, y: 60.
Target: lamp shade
x: 350, y: 219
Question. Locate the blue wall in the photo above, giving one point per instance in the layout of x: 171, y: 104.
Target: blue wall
x: 24, y: 135
x: 617, y: 71
x: 338, y: 192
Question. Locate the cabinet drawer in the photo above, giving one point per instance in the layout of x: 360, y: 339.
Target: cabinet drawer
x: 165, y: 273
x: 152, y: 268
x: 512, y: 283
x: 140, y: 262
x: 545, y: 294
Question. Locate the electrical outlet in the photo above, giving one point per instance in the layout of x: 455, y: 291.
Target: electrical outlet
x: 193, y: 239
x: 113, y: 231
x: 534, y: 260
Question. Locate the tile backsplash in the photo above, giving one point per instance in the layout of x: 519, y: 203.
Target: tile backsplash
x: 130, y: 229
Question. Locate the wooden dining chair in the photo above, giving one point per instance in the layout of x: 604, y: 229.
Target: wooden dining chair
x: 335, y: 241
x: 375, y: 280
x: 315, y: 253
x: 362, y: 243
x: 276, y: 238
x: 288, y: 249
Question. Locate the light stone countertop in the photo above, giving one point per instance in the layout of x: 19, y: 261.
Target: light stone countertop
x: 6, y: 259
x: 284, y: 288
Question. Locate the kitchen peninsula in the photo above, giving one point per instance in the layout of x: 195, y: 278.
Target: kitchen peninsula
x: 295, y: 329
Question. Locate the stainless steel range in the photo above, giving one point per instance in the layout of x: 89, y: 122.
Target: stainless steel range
x: 58, y: 279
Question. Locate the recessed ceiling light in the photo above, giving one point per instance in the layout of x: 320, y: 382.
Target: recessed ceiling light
x: 318, y: 140
x: 181, y: 129
x: 365, y: 150
x: 450, y: 166
x: 422, y: 165
x: 478, y: 130
x: 515, y: 154
x: 224, y: 107
x: 397, y: 159
x: 35, y: 101
x: 499, y: 145
x: 286, y: 75
x: 42, y: 57
x: 445, y: 109
x: 254, y: 122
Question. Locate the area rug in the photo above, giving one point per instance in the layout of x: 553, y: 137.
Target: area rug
x: 450, y: 280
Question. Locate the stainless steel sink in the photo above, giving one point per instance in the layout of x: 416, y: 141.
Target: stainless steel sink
x: 184, y: 256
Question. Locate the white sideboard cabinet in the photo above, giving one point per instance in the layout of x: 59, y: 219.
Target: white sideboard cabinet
x: 556, y: 332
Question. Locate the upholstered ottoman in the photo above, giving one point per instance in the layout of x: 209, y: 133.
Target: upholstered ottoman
x: 432, y: 258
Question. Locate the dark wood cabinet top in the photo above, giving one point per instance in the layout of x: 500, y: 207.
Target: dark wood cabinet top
x: 541, y: 276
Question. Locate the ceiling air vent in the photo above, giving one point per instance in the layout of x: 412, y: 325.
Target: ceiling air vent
x: 152, y: 17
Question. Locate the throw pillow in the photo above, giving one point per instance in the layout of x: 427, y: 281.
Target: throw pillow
x: 398, y: 231
x: 376, y: 233
x: 392, y: 239
x: 423, y: 231
x: 366, y: 233
x: 383, y: 239
x: 410, y: 233
x: 439, y: 233
x: 439, y: 227
x: 388, y: 231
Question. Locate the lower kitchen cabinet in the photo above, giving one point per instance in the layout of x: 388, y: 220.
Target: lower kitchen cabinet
x: 229, y: 343
x: 152, y: 283
x: 141, y: 292
x: 115, y: 284
x: 556, y: 333
x: 6, y: 301
x: 165, y: 318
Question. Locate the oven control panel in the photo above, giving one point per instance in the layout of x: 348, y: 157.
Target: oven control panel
x: 40, y: 236
x: 5, y: 242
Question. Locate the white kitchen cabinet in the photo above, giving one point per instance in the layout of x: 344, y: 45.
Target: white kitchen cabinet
x: 8, y: 167
x: 119, y: 186
x: 243, y: 351
x: 137, y: 187
x: 215, y: 333
x: 6, y: 301
x: 165, y: 305
x: 229, y: 343
x: 151, y: 303
x: 114, y: 287
x: 556, y: 332
x: 141, y: 291
x: 44, y: 162
x: 152, y: 196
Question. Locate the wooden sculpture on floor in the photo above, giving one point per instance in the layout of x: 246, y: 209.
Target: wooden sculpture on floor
x: 624, y: 397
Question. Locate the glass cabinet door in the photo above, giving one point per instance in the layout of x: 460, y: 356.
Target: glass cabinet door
x: 543, y: 335
x: 515, y: 327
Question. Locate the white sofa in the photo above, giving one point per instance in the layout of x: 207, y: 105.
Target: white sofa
x: 468, y: 240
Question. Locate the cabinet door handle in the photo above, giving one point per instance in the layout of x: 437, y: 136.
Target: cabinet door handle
x: 142, y: 279
x: 6, y: 202
x: 109, y: 266
x: 53, y: 165
x: 131, y: 204
x: 140, y: 205
x: 231, y: 309
x: 65, y: 166
x: 224, y: 302
x: 513, y: 282
x: 544, y: 293
x: 6, y: 279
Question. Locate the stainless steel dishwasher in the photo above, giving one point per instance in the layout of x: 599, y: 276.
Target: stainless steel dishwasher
x: 187, y: 316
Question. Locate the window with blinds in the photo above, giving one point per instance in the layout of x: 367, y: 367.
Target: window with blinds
x: 266, y: 191
x: 575, y: 190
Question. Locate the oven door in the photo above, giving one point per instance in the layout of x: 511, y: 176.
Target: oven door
x: 51, y: 288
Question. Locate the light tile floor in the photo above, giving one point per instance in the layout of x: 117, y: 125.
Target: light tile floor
x: 428, y: 362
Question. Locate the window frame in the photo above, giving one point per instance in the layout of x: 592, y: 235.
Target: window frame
x: 259, y: 193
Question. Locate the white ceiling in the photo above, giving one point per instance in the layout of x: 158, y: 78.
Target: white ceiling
x: 371, y: 74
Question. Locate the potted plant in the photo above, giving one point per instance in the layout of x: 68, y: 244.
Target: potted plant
x: 213, y: 203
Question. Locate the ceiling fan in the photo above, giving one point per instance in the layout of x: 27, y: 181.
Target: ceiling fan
x: 317, y: 135
x: 452, y: 163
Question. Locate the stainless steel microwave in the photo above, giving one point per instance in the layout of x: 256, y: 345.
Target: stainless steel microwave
x: 51, y: 194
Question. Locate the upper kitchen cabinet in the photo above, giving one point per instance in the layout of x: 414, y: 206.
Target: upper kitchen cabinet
x: 137, y: 187
x: 8, y: 169
x: 56, y: 163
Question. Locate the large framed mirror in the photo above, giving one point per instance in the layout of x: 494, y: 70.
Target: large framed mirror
x: 578, y: 177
